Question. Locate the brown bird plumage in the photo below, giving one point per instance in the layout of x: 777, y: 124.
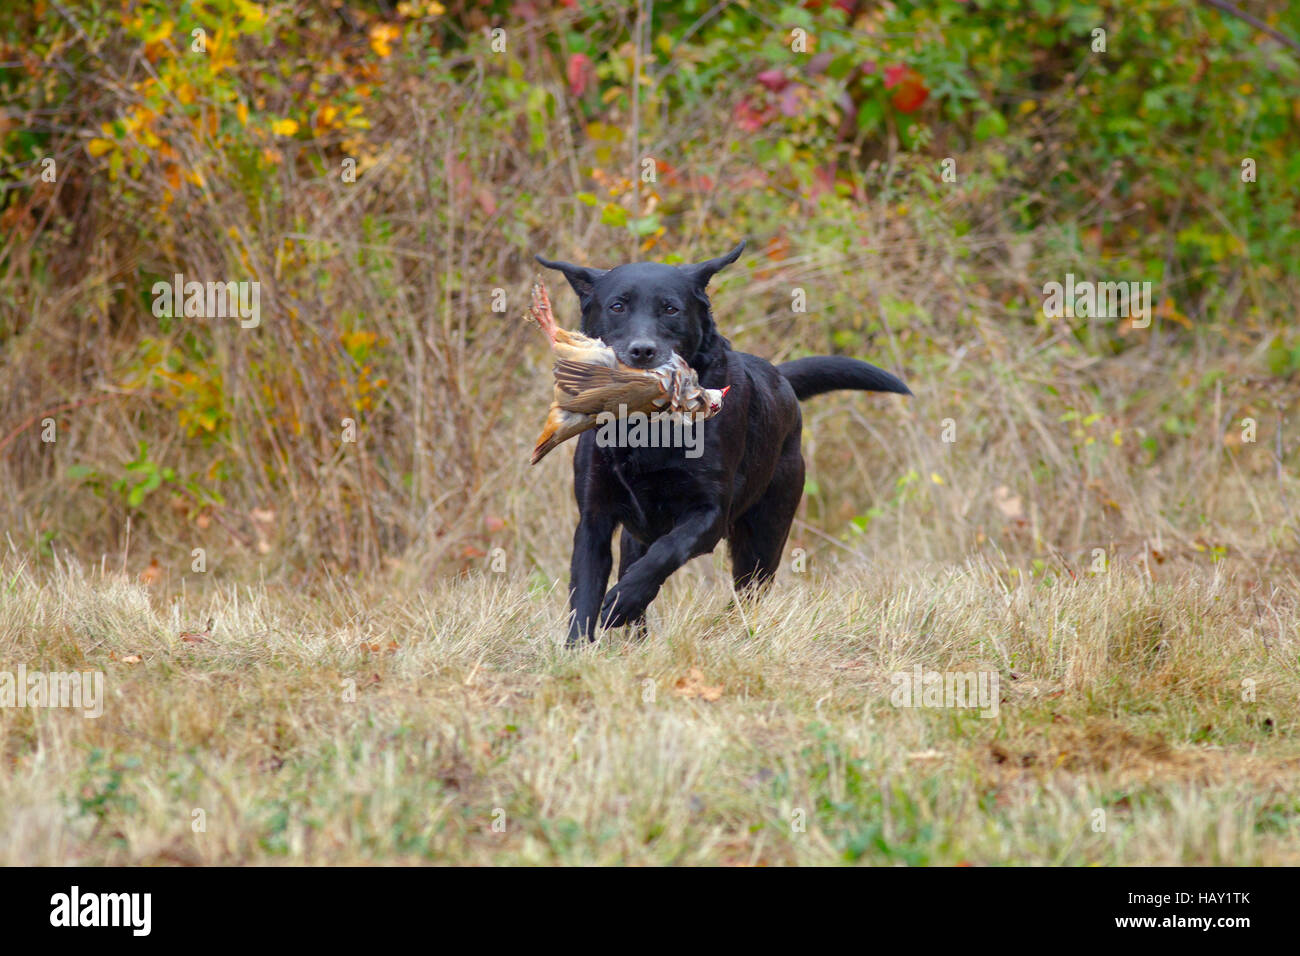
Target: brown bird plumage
x: 589, y: 380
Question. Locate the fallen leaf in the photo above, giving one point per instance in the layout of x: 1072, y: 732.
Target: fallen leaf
x: 1007, y: 503
x: 152, y: 574
x: 692, y: 685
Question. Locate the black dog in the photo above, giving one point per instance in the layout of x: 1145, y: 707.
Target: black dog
x: 744, y: 486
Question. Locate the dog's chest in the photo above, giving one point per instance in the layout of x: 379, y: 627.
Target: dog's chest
x: 650, y: 489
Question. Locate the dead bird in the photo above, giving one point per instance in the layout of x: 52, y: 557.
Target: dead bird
x: 590, y: 380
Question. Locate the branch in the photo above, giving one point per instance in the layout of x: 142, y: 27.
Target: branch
x: 1254, y: 21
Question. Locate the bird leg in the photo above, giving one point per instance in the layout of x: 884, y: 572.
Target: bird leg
x: 541, y: 311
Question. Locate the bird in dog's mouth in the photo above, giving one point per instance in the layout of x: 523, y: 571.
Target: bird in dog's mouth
x: 591, y: 381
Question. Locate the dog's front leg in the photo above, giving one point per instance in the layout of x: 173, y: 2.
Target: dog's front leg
x: 589, y: 574
x: 696, y: 532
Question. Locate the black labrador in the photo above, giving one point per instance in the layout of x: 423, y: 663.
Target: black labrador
x: 746, y: 481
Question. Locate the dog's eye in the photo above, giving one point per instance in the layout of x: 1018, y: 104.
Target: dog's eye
x: 670, y: 310
x: 616, y: 307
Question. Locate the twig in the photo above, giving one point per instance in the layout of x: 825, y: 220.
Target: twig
x: 68, y: 406
x: 1255, y: 22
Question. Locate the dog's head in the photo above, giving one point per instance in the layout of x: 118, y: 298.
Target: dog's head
x: 645, y: 311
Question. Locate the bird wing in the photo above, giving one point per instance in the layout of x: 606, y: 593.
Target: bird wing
x: 576, y: 377
x: 591, y: 352
x: 595, y: 388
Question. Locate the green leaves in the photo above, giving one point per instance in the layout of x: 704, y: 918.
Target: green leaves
x: 142, y: 477
x: 989, y: 125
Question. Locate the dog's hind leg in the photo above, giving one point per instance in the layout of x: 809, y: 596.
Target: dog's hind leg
x: 759, y: 535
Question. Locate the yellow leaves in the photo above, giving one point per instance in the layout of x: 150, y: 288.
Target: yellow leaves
x: 160, y: 32
x: 327, y: 118
x: 652, y: 240
x: 221, y: 53
x: 135, y: 119
x: 98, y: 147
x: 1169, y: 311
x: 358, y: 343
x: 355, y: 119
x: 604, y: 131
x: 284, y: 127
x: 382, y: 36
x: 185, y: 94
x: 366, y: 160
x: 1026, y: 107
x: 241, y: 111
x: 252, y: 13
x: 415, y: 11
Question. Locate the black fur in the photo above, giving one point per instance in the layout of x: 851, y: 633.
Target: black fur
x: 745, y: 486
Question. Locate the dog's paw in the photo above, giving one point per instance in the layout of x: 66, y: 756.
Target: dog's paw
x: 579, y: 635
x: 623, y: 605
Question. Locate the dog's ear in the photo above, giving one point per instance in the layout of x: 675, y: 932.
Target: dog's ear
x: 701, y: 272
x: 580, y: 277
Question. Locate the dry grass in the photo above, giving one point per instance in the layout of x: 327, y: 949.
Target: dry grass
x: 702, y: 744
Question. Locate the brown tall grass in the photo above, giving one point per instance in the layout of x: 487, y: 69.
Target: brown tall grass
x: 378, y: 300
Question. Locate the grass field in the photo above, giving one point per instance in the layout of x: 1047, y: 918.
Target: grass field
x: 1140, y: 720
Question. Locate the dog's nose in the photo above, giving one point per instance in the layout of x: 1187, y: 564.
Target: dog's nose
x: 641, y: 352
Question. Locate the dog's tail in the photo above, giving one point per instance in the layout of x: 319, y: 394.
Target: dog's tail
x: 828, y: 373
